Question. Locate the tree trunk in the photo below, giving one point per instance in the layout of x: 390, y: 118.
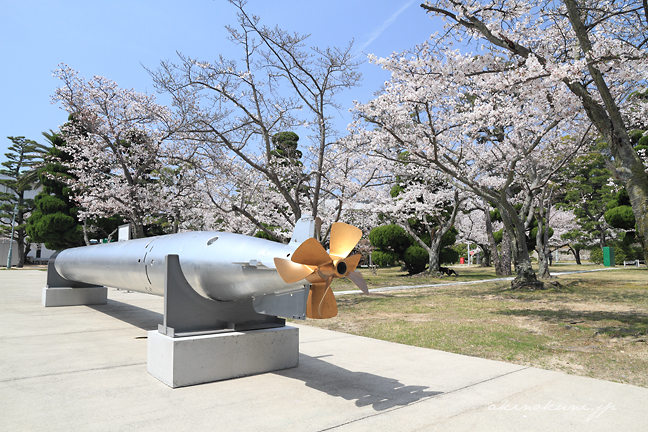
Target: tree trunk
x: 639, y: 200
x: 607, y: 118
x: 433, y: 255
x: 514, y: 227
x: 176, y: 223
x: 85, y: 232
x: 26, y: 252
x: 499, y: 269
x: 544, y: 259
x: 486, y: 261
x: 525, y: 276
x: 505, y: 256
x: 576, y: 253
x: 138, y: 229
x: 542, y: 240
x: 21, y: 247
x: 433, y: 250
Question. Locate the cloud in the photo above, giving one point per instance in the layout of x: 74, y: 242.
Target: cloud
x: 376, y: 33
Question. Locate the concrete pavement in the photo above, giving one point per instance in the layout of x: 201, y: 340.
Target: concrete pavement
x: 83, y: 368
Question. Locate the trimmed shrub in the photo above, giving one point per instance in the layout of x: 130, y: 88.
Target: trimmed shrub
x: 448, y: 256
x: 620, y: 217
x: 416, y: 259
x: 390, y: 238
x: 383, y: 258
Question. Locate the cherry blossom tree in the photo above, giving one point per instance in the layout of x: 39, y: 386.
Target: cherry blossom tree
x: 471, y: 228
x: 594, y: 49
x: 542, y: 214
x: 424, y: 199
x: 475, y: 225
x: 230, y: 111
x: 488, y: 133
x: 118, y: 140
x: 564, y: 222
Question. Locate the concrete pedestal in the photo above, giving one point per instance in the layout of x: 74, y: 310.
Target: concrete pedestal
x: 185, y: 361
x: 65, y: 296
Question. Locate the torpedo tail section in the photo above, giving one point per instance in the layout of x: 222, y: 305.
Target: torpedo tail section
x: 312, y: 262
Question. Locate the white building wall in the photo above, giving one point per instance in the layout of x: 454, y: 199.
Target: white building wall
x: 4, y: 251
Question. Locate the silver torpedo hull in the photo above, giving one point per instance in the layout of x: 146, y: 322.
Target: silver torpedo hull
x: 218, y: 266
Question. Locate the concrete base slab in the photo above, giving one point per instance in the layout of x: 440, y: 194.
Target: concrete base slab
x: 74, y: 296
x: 84, y: 369
x: 185, y: 361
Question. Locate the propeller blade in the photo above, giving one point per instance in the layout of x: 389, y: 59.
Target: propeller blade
x: 291, y: 272
x: 310, y: 261
x: 344, y: 238
x: 321, y: 301
x: 315, y: 278
x: 359, y: 281
x: 311, y: 253
x: 352, y: 262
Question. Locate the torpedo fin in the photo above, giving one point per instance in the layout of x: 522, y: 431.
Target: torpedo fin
x: 305, y: 228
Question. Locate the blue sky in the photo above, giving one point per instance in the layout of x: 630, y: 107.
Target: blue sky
x: 117, y: 39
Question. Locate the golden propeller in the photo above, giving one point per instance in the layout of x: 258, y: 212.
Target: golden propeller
x: 310, y: 261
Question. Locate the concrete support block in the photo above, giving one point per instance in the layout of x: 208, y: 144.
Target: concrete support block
x: 190, y: 360
x: 65, y: 296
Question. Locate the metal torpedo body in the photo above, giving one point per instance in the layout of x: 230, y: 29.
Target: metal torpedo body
x: 218, y: 266
x: 226, y: 267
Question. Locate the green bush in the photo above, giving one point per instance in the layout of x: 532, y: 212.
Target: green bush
x: 384, y: 258
x: 619, y: 256
x: 635, y: 136
x: 596, y: 256
x: 620, y: 217
x: 416, y: 259
x: 390, y: 238
x: 448, y: 256
x: 638, y: 253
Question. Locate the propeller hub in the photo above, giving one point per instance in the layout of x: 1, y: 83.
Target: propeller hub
x: 310, y: 261
x: 341, y: 267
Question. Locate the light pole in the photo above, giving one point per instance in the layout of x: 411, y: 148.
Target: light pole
x: 13, y: 221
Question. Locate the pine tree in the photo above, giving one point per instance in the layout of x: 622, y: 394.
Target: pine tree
x: 23, y: 160
x: 54, y: 221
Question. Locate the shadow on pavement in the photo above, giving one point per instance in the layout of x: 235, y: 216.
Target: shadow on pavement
x: 366, y: 389
x: 133, y: 315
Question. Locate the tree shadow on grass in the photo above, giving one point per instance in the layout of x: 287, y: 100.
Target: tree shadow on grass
x: 573, y: 290
x: 631, y: 323
x: 381, y: 393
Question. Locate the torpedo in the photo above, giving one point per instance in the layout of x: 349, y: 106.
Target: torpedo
x: 225, y: 267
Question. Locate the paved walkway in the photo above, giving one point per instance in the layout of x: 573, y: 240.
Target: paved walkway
x: 83, y: 368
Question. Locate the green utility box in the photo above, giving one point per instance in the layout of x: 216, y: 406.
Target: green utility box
x: 608, y: 257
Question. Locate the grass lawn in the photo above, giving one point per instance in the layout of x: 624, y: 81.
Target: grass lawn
x: 594, y: 324
x: 394, y: 276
